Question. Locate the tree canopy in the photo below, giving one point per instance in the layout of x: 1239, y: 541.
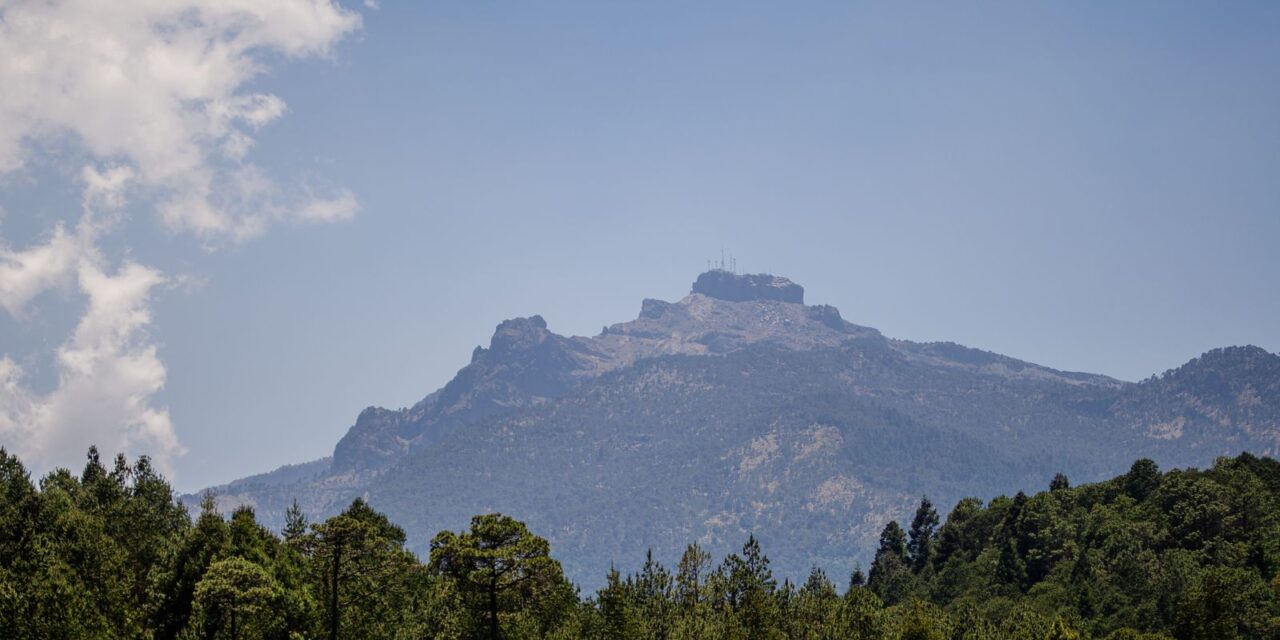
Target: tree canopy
x: 1187, y: 554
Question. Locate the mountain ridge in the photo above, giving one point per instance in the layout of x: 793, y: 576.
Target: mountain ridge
x: 723, y: 312
x: 769, y: 407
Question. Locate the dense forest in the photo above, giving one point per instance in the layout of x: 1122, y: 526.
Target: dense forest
x: 1187, y: 554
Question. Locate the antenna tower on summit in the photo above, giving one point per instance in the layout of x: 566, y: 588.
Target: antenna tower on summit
x: 729, y: 263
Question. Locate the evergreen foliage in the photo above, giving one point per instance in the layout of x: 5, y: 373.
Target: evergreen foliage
x: 1187, y: 554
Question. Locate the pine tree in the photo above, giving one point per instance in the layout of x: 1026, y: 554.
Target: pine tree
x: 857, y: 579
x: 499, y: 566
x: 818, y: 584
x: 614, y: 610
x: 360, y: 568
x: 920, y: 547
x: 890, y: 577
x: 962, y: 536
x: 1142, y: 479
x: 750, y: 590
x: 295, y: 523
x: 690, y: 575
x: 653, y: 597
x: 200, y: 547
x: 1011, y: 568
x: 236, y: 599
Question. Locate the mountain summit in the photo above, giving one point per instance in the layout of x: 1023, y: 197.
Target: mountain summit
x: 526, y: 364
x: 740, y: 410
x: 727, y: 285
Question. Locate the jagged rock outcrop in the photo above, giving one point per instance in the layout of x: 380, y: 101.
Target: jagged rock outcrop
x: 525, y: 364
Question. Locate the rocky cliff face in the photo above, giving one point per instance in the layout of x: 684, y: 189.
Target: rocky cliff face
x: 525, y: 364
x: 726, y: 285
x: 738, y: 409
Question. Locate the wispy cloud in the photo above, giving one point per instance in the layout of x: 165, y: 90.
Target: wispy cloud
x: 150, y: 96
x: 108, y: 371
x: 158, y: 85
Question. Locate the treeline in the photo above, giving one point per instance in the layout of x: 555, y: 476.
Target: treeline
x: 110, y: 554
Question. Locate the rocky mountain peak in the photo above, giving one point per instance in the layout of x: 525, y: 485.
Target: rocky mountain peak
x: 1229, y: 369
x: 735, y: 287
x: 1236, y: 356
x: 516, y: 334
x: 1226, y: 363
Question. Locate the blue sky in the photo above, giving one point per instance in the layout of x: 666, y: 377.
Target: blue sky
x: 1087, y: 186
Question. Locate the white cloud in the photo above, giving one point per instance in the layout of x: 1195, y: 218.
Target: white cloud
x: 153, y: 93
x: 26, y: 274
x: 340, y: 207
x: 157, y: 85
x: 108, y: 373
x: 105, y: 189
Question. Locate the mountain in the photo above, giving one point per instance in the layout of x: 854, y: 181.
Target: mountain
x: 739, y: 409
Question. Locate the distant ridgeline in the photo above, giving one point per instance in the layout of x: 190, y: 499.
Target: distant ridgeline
x: 1191, y: 555
x: 740, y: 410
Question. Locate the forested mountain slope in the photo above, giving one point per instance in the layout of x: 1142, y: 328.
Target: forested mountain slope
x: 739, y: 410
